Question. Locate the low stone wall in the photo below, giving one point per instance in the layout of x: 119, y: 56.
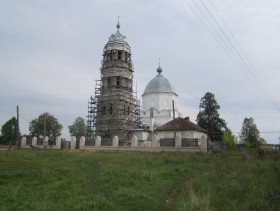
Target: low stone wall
x: 152, y: 145
x: 134, y: 144
x: 45, y: 144
x: 142, y: 149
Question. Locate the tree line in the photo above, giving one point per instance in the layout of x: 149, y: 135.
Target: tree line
x: 45, y: 125
x: 208, y: 118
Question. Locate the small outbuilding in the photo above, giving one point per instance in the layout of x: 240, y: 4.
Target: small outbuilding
x: 187, y: 134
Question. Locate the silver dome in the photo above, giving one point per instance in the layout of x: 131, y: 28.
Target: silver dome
x: 159, y: 84
x: 117, y: 37
x: 117, y: 41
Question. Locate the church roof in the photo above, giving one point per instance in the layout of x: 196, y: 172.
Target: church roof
x: 117, y: 37
x: 180, y: 124
x: 117, y: 41
x: 159, y: 84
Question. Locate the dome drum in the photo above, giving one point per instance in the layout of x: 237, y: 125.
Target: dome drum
x: 117, y: 46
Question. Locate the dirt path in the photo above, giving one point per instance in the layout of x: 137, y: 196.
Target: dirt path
x: 172, y: 195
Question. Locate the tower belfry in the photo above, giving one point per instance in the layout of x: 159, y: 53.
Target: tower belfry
x: 114, y: 110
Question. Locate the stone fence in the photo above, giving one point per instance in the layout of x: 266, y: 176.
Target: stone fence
x: 47, y: 143
x: 135, y: 144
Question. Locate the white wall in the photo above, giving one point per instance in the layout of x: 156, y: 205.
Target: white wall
x: 163, y: 109
x: 159, y: 101
x: 181, y: 134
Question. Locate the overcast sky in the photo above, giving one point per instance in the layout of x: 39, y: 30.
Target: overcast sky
x: 50, y: 54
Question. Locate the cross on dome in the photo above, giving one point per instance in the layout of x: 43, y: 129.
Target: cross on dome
x: 159, y: 69
x: 118, y: 25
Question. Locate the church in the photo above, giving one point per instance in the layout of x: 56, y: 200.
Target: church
x: 115, y: 117
x: 158, y: 100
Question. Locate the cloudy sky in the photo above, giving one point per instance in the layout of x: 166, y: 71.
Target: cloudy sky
x: 50, y: 54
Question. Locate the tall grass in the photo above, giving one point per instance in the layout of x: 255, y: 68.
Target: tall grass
x: 60, y: 180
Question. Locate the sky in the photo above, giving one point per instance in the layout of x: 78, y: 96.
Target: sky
x: 51, y: 51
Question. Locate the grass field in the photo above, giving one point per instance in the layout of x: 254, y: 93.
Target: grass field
x: 71, y: 180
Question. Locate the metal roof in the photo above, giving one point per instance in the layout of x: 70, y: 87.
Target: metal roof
x: 159, y: 84
x: 117, y: 41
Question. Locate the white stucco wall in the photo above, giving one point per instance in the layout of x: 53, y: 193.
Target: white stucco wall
x: 140, y: 134
x: 181, y: 134
x: 160, y: 101
x: 162, y: 107
x: 160, y: 118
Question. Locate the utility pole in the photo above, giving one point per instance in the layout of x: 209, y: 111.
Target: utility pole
x: 45, y: 124
x: 174, y: 119
x: 279, y: 142
x: 18, y: 133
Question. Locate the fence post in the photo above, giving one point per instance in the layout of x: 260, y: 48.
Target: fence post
x: 58, y: 142
x: 97, y: 141
x: 115, y: 141
x: 73, y: 142
x: 34, y: 140
x: 178, y: 142
x: 23, y: 141
x: 203, y: 145
x: 155, y: 141
x: 134, y: 141
x: 82, y: 141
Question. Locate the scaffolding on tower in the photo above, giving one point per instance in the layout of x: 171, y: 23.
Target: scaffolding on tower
x: 92, y: 111
x: 125, y: 124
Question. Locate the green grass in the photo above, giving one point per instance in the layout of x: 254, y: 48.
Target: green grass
x: 61, y: 180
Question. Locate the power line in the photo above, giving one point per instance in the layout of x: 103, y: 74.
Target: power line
x: 269, y: 131
x: 6, y: 111
x: 249, y: 69
x: 226, y: 43
x: 212, y: 30
x: 231, y: 44
x: 24, y: 118
x: 236, y: 41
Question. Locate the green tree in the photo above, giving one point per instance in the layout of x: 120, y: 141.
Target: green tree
x: 229, y: 138
x: 45, y: 124
x: 78, y: 128
x: 9, y: 132
x: 262, y: 141
x: 249, y: 133
x: 209, y: 117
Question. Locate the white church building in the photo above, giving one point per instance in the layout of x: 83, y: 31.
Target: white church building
x: 157, y: 101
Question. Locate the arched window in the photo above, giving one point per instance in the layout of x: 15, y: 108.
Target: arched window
x: 110, y: 55
x: 111, y: 108
x: 118, y: 81
x: 125, y: 58
x: 123, y: 110
x: 115, y: 54
x: 104, y: 110
x: 119, y: 55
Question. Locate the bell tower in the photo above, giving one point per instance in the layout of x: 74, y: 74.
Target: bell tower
x: 115, y: 106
